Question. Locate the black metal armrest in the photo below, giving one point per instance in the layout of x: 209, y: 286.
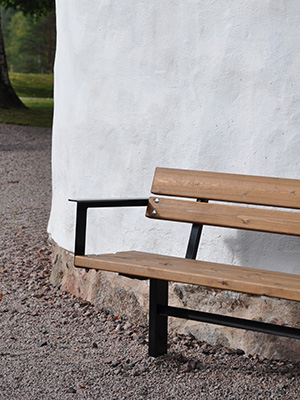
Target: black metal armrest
x: 111, y: 203
x: 81, y: 216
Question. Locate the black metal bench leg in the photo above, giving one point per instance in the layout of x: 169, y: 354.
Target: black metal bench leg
x: 158, y: 324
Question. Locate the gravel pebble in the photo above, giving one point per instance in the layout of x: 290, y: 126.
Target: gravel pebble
x: 54, y: 346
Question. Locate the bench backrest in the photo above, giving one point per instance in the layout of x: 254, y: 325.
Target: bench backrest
x: 224, y: 188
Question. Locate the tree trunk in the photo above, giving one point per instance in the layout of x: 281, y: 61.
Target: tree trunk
x: 8, y: 97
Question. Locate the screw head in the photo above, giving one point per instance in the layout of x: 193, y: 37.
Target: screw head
x: 156, y: 200
x: 154, y: 212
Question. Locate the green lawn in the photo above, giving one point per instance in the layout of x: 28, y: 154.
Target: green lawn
x: 32, y: 85
x: 36, y: 91
x: 39, y: 113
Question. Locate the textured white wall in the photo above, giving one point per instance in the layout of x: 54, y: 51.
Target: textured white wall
x: 200, y: 84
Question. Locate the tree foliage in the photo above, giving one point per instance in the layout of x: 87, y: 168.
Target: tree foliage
x: 35, y: 8
x: 29, y: 44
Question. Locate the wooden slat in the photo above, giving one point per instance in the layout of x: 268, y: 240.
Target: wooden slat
x: 227, y: 187
x: 214, y: 275
x: 240, y: 217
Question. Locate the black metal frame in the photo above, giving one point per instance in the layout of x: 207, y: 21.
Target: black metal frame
x: 81, y: 216
x: 159, y: 310
x: 233, y: 322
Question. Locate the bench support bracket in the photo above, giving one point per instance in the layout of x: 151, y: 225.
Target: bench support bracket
x: 251, y: 325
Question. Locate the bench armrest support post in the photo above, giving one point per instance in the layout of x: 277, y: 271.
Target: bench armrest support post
x: 80, y: 232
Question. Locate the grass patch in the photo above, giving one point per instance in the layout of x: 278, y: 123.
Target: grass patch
x: 32, y: 85
x: 39, y: 113
x: 36, y: 91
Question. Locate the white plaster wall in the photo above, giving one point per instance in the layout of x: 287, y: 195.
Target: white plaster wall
x: 200, y: 84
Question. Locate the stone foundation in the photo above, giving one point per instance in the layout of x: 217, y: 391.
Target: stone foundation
x: 129, y: 298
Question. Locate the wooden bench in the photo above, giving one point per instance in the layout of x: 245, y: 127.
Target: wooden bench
x: 213, y: 192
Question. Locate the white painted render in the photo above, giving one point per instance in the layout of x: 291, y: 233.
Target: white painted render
x: 199, y: 84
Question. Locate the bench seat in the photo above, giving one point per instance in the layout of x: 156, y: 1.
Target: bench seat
x: 202, y: 273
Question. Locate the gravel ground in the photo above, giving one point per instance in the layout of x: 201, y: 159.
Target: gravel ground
x: 55, y: 346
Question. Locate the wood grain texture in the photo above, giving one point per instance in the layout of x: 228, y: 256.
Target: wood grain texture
x: 214, y: 275
x: 240, y: 217
x: 247, y: 189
